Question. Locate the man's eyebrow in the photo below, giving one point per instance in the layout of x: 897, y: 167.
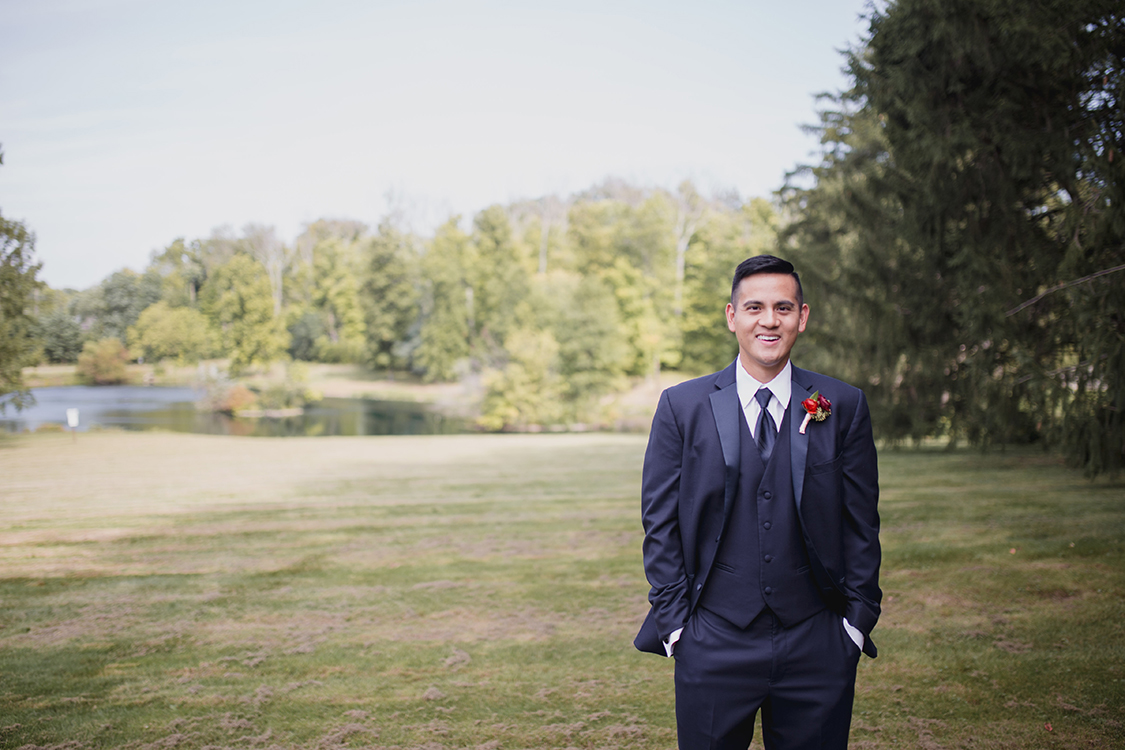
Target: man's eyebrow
x: 759, y: 303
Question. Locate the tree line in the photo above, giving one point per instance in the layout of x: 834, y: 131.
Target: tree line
x: 549, y: 304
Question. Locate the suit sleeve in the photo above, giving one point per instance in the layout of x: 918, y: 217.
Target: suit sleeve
x: 660, y: 496
x: 861, y: 518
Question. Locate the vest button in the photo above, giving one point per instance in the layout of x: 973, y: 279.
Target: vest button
x: 768, y: 496
x: 698, y: 586
x: 768, y: 590
x: 766, y: 525
x: 768, y: 558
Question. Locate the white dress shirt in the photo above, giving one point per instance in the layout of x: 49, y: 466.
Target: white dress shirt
x: 781, y: 388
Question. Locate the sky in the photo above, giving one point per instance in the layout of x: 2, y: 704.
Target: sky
x: 128, y: 123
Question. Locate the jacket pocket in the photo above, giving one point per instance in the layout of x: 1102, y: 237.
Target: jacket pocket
x: 826, y: 466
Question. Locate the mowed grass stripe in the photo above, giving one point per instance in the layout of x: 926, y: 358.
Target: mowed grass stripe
x: 482, y: 591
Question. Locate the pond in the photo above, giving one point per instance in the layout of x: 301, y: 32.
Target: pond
x: 131, y: 407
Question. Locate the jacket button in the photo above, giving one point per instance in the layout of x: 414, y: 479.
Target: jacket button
x: 766, y: 525
x: 768, y: 590
x: 698, y: 586
x: 718, y: 538
x: 767, y: 558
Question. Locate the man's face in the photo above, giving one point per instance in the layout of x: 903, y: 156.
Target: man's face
x: 766, y: 319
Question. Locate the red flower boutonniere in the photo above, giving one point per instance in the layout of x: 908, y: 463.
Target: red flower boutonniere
x: 818, y: 408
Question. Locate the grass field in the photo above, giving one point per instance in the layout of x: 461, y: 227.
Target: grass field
x: 178, y: 591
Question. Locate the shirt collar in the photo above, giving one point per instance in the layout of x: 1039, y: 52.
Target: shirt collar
x: 781, y: 386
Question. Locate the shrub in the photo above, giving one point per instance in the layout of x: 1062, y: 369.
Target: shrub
x: 237, y: 398
x: 103, y: 362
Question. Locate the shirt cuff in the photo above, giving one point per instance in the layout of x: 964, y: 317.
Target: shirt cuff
x: 675, y: 636
x: 852, y: 632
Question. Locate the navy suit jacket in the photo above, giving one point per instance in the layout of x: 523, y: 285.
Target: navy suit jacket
x: 690, y: 482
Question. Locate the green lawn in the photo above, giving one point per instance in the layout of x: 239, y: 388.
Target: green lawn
x: 180, y: 591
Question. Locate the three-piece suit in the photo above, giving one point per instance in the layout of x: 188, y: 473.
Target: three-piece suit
x: 759, y: 560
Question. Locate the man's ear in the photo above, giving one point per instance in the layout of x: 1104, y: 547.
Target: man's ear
x: 803, y: 321
x: 730, y: 318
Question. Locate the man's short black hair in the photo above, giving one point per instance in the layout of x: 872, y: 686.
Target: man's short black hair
x: 764, y: 264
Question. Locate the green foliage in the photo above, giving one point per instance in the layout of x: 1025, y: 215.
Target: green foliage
x: 582, y: 316
x: 336, y: 297
x: 59, y: 334
x: 965, y: 225
x: 305, y: 333
x: 499, y: 279
x: 18, y: 348
x: 183, y: 268
x: 390, y: 297
x: 119, y: 301
x: 727, y: 237
x: 555, y: 370
x: 103, y: 362
x: 291, y: 393
x: 446, y: 304
x: 323, y: 288
x: 238, y: 300
x: 626, y: 239
x: 526, y: 390
x: 163, y: 332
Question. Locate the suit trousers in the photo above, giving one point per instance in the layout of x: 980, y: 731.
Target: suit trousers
x: 801, y: 677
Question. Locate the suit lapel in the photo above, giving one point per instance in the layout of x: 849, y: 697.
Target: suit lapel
x: 798, y: 443
x: 727, y: 411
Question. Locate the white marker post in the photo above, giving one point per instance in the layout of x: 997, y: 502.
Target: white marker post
x: 72, y: 422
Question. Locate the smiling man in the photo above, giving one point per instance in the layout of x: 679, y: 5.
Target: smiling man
x: 758, y: 501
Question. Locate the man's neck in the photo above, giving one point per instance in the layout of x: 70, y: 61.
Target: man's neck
x: 779, y: 384
x: 762, y: 375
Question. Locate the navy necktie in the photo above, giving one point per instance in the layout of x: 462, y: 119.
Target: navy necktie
x: 767, y: 428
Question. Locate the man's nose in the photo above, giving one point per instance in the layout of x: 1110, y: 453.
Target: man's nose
x: 769, y: 318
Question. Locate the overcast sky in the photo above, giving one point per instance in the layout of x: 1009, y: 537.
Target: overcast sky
x: 128, y: 123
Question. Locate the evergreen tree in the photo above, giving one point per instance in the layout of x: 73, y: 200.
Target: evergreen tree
x: 966, y: 227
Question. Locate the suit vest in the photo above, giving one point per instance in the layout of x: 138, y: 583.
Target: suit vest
x: 762, y: 561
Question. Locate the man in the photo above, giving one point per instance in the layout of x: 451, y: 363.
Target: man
x: 761, y: 545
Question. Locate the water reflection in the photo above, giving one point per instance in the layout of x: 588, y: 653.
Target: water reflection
x: 159, y: 408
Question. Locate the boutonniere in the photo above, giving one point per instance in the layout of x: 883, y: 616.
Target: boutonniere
x: 817, y: 407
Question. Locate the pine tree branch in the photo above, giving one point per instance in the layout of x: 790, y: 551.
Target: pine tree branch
x: 1061, y: 370
x: 1064, y: 285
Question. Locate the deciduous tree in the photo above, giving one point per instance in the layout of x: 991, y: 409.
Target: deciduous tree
x: 18, y: 348
x: 390, y: 296
x: 446, y: 304
x: 164, y: 332
x: 238, y: 300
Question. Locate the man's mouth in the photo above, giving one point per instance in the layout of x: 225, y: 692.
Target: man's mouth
x: 768, y: 338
